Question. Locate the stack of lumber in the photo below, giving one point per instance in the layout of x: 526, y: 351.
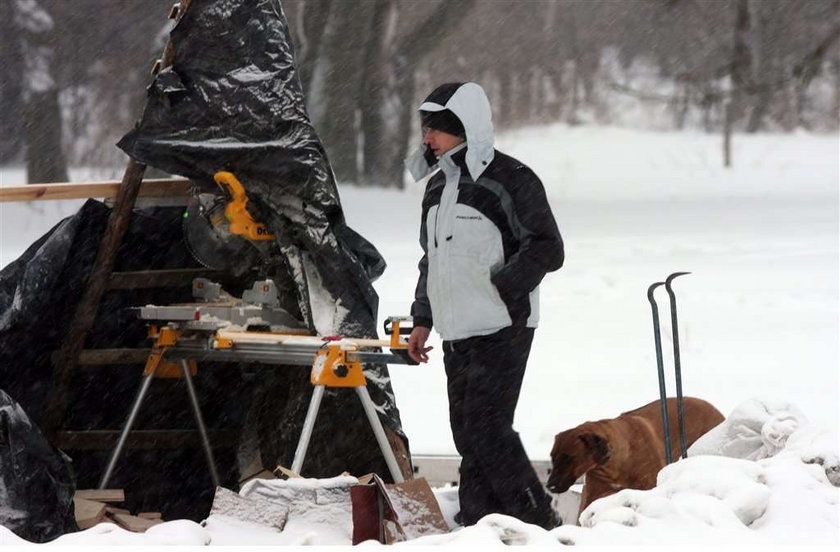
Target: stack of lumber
x: 94, y: 506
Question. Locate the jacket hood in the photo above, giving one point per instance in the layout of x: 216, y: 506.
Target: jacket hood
x: 469, y: 103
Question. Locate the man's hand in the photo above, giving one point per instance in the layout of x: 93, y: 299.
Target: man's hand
x: 417, y: 349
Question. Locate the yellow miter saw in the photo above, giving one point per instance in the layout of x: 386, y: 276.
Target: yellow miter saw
x: 220, y: 232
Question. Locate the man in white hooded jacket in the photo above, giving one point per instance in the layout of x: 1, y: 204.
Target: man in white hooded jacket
x: 489, y: 238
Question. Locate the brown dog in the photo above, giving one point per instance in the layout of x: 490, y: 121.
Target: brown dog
x: 625, y: 452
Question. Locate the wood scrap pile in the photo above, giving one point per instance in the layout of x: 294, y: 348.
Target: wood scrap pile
x: 94, y: 506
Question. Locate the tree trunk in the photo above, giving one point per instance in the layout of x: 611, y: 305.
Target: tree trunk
x: 739, y: 74
x: 570, y: 33
x: 727, y: 133
x: 740, y: 66
x: 11, y: 90
x: 311, y: 22
x: 410, y: 51
x: 45, y: 161
x: 761, y: 71
x: 337, y: 122
x: 375, y: 101
x: 506, y: 99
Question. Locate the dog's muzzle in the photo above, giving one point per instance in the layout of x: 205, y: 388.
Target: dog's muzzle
x: 557, y: 485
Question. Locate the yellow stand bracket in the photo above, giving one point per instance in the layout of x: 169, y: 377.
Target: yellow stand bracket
x: 395, y: 335
x: 155, y: 365
x: 332, y: 369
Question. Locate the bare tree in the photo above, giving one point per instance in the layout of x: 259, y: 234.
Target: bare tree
x: 45, y: 161
x: 11, y: 83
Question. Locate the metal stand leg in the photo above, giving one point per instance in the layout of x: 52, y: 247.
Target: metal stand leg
x: 144, y: 388
x: 199, y: 420
x: 308, y: 425
x: 379, y: 432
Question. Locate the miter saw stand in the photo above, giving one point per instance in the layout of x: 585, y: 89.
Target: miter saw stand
x: 220, y: 328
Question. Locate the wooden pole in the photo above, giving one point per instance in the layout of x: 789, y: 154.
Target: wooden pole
x: 67, y: 356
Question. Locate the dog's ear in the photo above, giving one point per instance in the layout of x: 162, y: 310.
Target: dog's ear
x: 599, y: 446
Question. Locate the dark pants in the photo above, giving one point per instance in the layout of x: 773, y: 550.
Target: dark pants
x: 484, y: 376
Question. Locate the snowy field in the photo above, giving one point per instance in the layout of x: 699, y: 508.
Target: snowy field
x: 758, y: 318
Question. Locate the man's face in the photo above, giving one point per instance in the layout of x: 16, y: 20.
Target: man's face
x: 440, y: 141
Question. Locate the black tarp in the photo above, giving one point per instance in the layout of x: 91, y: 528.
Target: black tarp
x: 38, y: 295
x: 36, y: 482
x: 230, y: 101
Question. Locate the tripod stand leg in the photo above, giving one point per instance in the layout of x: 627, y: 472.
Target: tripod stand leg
x: 308, y: 425
x: 199, y: 420
x: 132, y: 416
x: 376, y: 425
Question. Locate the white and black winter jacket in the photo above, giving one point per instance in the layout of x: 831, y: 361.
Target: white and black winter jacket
x: 487, y: 231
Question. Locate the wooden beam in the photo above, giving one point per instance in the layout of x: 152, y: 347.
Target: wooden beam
x: 87, y: 512
x: 101, y: 495
x: 152, y: 187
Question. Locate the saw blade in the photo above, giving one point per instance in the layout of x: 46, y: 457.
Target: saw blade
x: 209, y: 239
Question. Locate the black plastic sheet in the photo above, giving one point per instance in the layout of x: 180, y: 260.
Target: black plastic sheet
x: 38, y: 295
x: 231, y: 100
x: 36, y: 482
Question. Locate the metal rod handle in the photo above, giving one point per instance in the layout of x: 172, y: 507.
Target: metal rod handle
x: 660, y: 371
x: 677, y: 364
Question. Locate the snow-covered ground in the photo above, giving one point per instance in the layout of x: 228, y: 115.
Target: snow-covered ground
x: 758, y: 318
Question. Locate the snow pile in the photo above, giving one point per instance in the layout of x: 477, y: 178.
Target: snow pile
x: 179, y: 532
x: 754, y: 430
x: 764, y: 473
x: 320, y: 511
x: 782, y: 499
x: 759, y: 429
x: 787, y: 493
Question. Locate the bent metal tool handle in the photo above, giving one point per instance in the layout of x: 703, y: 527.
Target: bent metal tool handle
x: 660, y: 369
x: 677, y: 364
